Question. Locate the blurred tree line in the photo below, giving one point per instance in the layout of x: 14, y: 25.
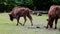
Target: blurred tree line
x: 7, y: 5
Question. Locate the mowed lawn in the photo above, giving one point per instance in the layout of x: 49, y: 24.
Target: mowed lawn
x: 9, y: 27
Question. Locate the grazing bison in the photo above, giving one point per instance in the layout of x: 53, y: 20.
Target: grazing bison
x: 18, y: 12
x: 53, y: 14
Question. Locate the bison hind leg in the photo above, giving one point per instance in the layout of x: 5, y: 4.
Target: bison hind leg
x: 30, y: 18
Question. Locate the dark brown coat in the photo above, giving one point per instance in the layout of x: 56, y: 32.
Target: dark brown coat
x: 18, y: 12
x: 53, y: 14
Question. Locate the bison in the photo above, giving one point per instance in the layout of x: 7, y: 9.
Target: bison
x: 53, y: 14
x: 18, y: 12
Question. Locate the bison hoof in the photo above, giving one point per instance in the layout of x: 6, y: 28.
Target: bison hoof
x: 55, y: 27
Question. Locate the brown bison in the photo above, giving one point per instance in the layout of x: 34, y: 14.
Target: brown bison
x: 53, y: 14
x: 18, y: 12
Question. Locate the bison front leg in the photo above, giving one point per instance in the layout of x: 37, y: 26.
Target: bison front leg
x: 18, y: 21
x: 48, y: 22
x: 56, y: 23
x: 47, y: 25
x: 25, y: 20
x: 51, y: 25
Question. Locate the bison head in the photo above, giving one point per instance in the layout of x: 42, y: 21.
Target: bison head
x: 11, y: 17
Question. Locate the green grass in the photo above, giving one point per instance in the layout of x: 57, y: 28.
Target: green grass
x: 8, y: 27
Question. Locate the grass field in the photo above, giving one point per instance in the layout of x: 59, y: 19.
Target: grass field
x: 8, y: 27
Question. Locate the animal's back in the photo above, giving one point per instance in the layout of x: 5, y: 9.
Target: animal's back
x: 20, y: 11
x: 52, y: 10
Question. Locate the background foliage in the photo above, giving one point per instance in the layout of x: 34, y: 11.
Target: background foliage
x: 7, y: 5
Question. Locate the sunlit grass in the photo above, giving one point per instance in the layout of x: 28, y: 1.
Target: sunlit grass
x: 8, y: 27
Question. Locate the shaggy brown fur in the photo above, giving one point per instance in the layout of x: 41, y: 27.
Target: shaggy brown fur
x: 18, y: 12
x: 53, y: 14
